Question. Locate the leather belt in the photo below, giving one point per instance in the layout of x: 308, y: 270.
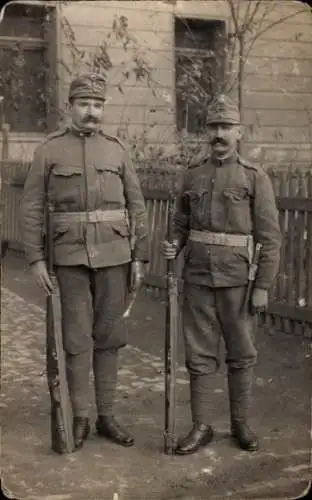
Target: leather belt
x: 93, y: 216
x: 225, y: 239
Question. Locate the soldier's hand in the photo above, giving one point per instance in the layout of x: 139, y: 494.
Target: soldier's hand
x: 137, y: 275
x: 170, y: 250
x: 259, y: 300
x: 40, y: 272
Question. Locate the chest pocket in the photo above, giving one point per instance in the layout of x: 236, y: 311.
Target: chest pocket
x: 238, y: 195
x: 199, y: 205
x: 110, y: 183
x: 238, y: 210
x: 65, y: 182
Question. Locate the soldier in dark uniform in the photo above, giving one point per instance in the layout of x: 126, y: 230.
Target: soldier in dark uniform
x: 98, y: 204
x: 226, y: 205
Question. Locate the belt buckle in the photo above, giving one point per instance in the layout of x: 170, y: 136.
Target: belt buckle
x: 219, y: 239
x: 213, y: 240
x: 93, y: 216
x: 223, y: 239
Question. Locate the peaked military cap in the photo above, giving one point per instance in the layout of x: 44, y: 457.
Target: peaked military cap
x: 223, y: 110
x: 88, y: 85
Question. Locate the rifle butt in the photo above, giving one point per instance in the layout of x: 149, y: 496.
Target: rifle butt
x: 62, y: 439
x: 170, y: 372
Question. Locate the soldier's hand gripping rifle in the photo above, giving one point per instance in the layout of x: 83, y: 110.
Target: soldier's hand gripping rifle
x: 171, y: 337
x: 61, y: 411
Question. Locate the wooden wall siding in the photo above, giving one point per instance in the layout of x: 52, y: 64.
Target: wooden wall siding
x: 278, y: 71
x: 278, y: 74
x: 22, y: 146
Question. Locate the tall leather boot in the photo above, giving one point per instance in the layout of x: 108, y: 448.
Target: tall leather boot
x: 240, y: 385
x: 105, y: 382
x: 201, y: 434
x: 78, y: 369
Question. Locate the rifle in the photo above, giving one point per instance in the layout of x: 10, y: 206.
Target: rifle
x: 171, y: 337
x: 251, y: 277
x: 61, y: 411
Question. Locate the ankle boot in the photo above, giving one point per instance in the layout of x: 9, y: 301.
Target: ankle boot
x: 108, y: 427
x: 200, y: 436
x: 81, y: 430
x: 240, y: 383
x: 245, y: 438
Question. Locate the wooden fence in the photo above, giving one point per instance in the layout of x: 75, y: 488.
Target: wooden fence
x: 12, y: 180
x: 291, y: 294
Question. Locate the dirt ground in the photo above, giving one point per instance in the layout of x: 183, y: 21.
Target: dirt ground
x: 104, y: 471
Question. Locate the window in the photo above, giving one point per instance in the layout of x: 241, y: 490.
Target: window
x: 27, y: 68
x: 199, y: 68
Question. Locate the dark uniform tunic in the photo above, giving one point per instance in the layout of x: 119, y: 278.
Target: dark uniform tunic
x: 86, y: 174
x: 233, y: 197
x: 98, y: 210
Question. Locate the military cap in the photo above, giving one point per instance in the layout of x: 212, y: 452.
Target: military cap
x: 223, y: 110
x: 88, y: 85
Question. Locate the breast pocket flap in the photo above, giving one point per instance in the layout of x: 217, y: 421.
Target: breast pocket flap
x: 235, y: 195
x: 112, y: 169
x: 195, y: 195
x: 67, y: 171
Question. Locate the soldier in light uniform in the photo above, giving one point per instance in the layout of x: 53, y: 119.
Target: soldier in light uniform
x: 226, y: 205
x: 97, y: 203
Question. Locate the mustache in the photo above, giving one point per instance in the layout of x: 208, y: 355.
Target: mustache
x: 218, y: 140
x: 89, y: 119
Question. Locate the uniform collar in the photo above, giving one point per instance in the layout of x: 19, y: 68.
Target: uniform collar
x: 226, y: 161
x: 82, y: 133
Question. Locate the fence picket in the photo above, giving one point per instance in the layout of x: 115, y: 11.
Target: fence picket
x: 308, y: 260
x: 300, y: 276
x: 281, y: 275
x: 308, y: 256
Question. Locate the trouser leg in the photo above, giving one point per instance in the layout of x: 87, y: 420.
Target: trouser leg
x: 202, y: 339
x: 241, y: 354
x: 77, y: 369
x: 77, y: 318
x: 240, y: 391
x: 109, y: 332
x: 105, y: 379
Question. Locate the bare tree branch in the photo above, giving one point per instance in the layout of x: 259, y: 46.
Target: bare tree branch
x: 246, y: 16
x: 268, y: 28
x: 250, y: 20
x: 234, y: 16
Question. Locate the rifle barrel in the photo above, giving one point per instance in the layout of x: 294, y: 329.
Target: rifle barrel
x: 171, y: 334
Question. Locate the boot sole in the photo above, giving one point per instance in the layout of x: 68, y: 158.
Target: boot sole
x: 84, y: 438
x: 254, y: 447
x: 205, y: 443
x: 116, y: 441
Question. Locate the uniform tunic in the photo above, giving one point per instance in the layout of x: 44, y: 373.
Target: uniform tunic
x: 86, y: 173
x: 235, y: 197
